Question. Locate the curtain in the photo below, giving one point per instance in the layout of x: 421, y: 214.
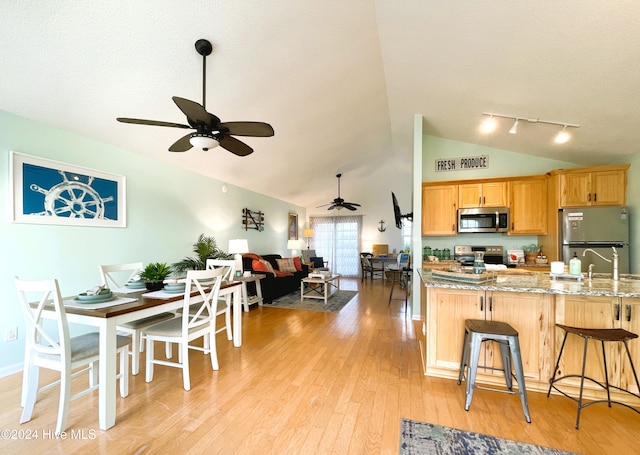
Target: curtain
x: 337, y: 240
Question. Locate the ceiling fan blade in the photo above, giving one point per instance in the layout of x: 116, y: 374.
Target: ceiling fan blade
x: 255, y: 129
x: 332, y: 207
x: 151, y: 122
x: 349, y: 207
x: 351, y: 203
x: 181, y: 145
x: 235, y: 146
x: 195, y: 112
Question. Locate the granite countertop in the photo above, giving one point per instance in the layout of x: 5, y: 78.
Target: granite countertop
x: 542, y: 283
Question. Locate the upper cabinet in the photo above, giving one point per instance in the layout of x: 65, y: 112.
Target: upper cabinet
x: 489, y: 194
x: 528, y: 206
x: 592, y: 186
x: 439, y: 209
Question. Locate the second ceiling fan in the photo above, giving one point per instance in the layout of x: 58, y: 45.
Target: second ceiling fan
x: 339, y: 203
x: 209, y: 130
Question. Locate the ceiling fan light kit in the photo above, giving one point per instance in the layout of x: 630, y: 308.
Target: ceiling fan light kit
x: 339, y: 203
x: 490, y: 124
x: 210, y: 131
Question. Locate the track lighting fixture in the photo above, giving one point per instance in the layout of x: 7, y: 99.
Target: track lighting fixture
x: 490, y: 124
x: 563, y: 136
x: 514, y: 128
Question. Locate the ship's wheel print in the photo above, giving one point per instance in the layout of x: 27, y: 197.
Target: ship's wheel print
x: 72, y: 198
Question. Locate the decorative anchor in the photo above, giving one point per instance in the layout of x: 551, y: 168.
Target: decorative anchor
x: 381, y: 228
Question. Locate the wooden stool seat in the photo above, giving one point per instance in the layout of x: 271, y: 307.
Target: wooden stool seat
x: 601, y: 335
x: 476, y: 332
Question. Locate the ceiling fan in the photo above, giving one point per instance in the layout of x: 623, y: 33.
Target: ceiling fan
x: 339, y: 203
x: 209, y: 130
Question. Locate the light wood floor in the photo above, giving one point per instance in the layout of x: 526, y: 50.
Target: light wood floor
x: 312, y: 383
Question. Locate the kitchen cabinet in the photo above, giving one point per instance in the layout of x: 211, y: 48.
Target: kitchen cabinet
x: 528, y: 206
x: 488, y: 194
x: 593, y: 188
x: 530, y: 314
x: 439, y: 209
x: 597, y: 312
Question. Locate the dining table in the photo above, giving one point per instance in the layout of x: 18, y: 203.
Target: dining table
x: 127, y: 308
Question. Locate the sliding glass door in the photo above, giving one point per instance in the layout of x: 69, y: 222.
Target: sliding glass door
x: 337, y: 240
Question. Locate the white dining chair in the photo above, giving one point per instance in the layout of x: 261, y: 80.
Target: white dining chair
x: 223, y: 306
x: 190, y: 326
x: 50, y: 346
x: 117, y: 276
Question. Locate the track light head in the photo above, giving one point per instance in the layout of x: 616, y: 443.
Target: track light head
x: 563, y: 136
x: 514, y: 128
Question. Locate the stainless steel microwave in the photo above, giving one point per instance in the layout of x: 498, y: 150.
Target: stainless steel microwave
x: 483, y: 219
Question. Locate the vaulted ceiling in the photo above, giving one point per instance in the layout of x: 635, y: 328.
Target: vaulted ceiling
x: 339, y: 80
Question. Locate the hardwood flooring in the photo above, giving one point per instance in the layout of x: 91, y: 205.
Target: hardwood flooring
x: 313, y: 383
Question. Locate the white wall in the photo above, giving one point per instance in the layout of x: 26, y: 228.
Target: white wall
x: 167, y: 208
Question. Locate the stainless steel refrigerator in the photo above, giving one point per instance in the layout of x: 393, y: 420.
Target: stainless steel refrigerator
x: 598, y: 228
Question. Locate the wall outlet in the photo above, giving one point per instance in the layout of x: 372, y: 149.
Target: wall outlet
x: 10, y: 334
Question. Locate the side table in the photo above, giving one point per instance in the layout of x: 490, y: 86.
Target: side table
x: 246, y: 299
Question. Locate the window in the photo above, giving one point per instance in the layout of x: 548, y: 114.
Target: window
x: 337, y: 240
x: 406, y: 235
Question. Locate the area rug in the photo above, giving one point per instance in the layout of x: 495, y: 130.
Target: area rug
x: 418, y: 438
x: 335, y: 303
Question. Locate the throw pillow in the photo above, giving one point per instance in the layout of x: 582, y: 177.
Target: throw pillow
x: 252, y: 256
x: 298, y: 264
x: 286, y: 265
x: 260, y: 265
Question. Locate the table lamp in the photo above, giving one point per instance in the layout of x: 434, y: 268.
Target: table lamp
x: 308, y: 233
x: 238, y: 247
x: 293, y: 245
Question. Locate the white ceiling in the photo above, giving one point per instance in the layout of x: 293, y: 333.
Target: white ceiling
x: 339, y: 80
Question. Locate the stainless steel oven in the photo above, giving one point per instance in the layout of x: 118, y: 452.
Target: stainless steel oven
x: 483, y: 219
x: 464, y: 254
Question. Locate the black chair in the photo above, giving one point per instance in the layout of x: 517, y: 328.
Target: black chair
x: 368, y: 267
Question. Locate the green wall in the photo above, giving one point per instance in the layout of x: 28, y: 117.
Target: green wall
x: 167, y: 208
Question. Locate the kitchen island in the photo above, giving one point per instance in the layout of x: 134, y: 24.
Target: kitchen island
x: 532, y: 303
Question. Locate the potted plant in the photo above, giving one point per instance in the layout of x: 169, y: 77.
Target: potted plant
x: 204, y: 248
x: 154, y: 274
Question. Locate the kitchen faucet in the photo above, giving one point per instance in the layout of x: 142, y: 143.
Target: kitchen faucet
x: 613, y: 261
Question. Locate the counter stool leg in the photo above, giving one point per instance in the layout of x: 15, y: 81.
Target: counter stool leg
x: 584, y: 364
x: 505, y: 353
x: 606, y: 373
x: 633, y: 369
x: 555, y: 370
x: 514, y: 345
x: 465, y: 356
x: 476, y: 344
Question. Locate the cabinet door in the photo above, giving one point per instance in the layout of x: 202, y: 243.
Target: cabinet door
x: 469, y: 195
x: 608, y: 187
x: 494, y: 194
x: 447, y: 310
x: 630, y: 320
x: 592, y: 312
x: 439, y: 209
x: 530, y: 314
x: 575, y: 189
x: 528, y: 206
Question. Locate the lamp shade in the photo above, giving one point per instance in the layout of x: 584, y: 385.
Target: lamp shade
x: 308, y: 232
x: 238, y: 246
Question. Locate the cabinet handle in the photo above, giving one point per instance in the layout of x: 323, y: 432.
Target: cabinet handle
x: 628, y: 313
x: 589, y: 197
x: 490, y: 304
x: 512, y: 225
x: 453, y: 228
x: 484, y: 200
x: 595, y: 197
x: 481, y: 303
x: 617, y: 311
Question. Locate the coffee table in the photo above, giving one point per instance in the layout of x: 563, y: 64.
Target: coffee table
x: 319, y: 287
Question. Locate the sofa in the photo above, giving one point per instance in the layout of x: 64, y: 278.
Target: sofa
x: 276, y: 283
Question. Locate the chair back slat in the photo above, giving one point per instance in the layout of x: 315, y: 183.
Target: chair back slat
x: 229, y: 266
x: 50, y: 339
x: 199, y: 309
x: 112, y: 274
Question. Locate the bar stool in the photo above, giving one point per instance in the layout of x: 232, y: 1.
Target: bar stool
x: 602, y: 335
x: 475, y: 333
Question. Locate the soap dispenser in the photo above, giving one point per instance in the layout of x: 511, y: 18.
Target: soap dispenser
x: 575, y: 265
